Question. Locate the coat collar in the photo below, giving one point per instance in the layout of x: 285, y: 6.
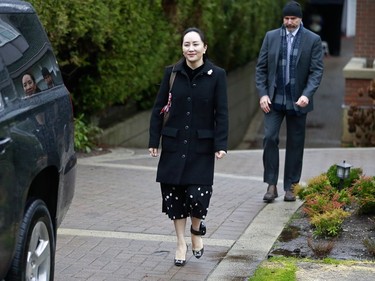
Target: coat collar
x: 207, y: 68
x: 282, y: 31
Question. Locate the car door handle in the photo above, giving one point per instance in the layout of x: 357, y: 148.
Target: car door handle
x: 4, y: 142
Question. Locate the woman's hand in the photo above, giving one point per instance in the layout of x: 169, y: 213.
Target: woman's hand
x: 220, y: 154
x: 153, y: 152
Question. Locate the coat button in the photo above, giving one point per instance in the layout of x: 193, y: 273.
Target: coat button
x: 188, y: 113
x: 189, y: 99
x: 185, y: 141
x: 183, y: 156
x: 186, y: 127
x: 194, y: 85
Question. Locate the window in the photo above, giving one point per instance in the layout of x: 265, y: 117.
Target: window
x: 27, y: 54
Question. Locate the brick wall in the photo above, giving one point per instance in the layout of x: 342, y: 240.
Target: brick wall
x: 365, y: 30
x: 364, y: 48
x: 352, y: 88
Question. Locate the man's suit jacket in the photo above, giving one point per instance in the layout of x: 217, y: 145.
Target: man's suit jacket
x: 309, y: 66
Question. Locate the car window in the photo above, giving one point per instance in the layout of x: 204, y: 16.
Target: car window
x: 2, y: 81
x: 28, y: 56
x: 1, y: 102
x: 7, y: 91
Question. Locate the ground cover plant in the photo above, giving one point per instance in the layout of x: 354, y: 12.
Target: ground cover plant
x: 327, y: 202
x: 334, y: 225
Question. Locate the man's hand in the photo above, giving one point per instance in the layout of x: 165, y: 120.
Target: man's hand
x: 265, y: 104
x: 303, y: 101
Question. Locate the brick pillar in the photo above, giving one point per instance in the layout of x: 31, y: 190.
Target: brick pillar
x: 360, y: 70
x: 365, y: 30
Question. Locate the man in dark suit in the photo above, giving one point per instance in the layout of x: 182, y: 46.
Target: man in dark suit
x: 288, y: 73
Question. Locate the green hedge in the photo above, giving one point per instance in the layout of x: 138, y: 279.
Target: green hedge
x: 114, y: 51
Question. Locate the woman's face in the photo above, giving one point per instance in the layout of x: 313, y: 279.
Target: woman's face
x: 193, y: 49
x: 28, y: 85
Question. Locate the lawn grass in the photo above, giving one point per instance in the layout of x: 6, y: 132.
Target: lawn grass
x: 285, y: 268
x: 276, y: 269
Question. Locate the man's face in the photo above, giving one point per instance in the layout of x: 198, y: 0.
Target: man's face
x: 291, y: 22
x: 48, y: 80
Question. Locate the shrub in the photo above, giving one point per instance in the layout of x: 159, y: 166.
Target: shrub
x: 329, y: 223
x: 361, y: 118
x: 316, y: 204
x: 364, y: 192
x: 321, y: 248
x: 355, y: 173
x: 326, y: 205
x: 370, y: 241
x: 370, y: 245
x: 84, y: 134
x: 115, y: 53
x: 314, y: 185
x: 321, y: 185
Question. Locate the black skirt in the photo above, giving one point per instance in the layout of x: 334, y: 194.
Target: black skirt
x: 182, y: 201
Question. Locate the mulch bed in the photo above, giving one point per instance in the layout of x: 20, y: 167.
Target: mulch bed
x: 297, y: 240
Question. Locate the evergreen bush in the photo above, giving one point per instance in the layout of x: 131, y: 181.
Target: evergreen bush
x: 114, y: 51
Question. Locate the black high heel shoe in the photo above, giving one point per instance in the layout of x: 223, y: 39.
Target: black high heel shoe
x: 178, y: 262
x: 202, y: 231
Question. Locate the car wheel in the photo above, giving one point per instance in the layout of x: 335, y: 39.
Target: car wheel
x: 35, y: 250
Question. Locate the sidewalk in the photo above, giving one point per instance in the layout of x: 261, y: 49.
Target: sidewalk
x: 115, y: 230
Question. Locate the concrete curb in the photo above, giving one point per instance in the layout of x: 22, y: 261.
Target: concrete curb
x: 256, y: 242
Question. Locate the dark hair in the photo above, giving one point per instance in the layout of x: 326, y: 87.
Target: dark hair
x: 37, y: 90
x: 194, y: 29
x: 31, y: 76
x: 45, y: 72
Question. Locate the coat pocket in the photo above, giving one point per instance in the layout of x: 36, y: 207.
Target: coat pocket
x: 169, y: 139
x: 205, y: 143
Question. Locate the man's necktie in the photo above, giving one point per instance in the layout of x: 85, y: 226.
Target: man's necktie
x: 289, y: 48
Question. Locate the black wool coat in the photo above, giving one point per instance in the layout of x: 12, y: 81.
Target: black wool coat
x: 197, y: 126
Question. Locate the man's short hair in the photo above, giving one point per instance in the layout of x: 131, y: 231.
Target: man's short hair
x: 45, y: 72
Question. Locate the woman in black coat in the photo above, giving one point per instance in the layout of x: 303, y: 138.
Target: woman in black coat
x: 196, y: 131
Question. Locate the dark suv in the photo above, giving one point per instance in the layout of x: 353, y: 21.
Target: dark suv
x: 37, y: 158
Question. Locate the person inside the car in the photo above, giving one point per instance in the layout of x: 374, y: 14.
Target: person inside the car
x: 29, y: 84
x: 48, y: 78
